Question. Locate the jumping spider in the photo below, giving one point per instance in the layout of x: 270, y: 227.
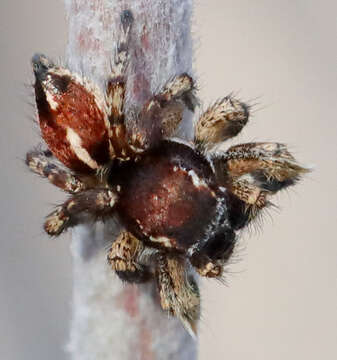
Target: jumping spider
x: 181, y: 203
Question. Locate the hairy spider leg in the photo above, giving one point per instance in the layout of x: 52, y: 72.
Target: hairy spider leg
x: 253, y: 173
x: 86, y: 206
x: 179, y: 293
x: 162, y: 114
x: 116, y: 84
x: 124, y: 258
x: 43, y: 163
x: 210, y: 259
x: 221, y: 121
x: 124, y: 145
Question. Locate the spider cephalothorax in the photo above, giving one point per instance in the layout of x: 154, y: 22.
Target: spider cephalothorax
x: 180, y: 203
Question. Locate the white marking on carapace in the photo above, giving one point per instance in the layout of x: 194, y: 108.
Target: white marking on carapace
x: 76, y: 145
x: 222, y: 189
x: 162, y: 240
x: 50, y: 92
x: 197, y: 182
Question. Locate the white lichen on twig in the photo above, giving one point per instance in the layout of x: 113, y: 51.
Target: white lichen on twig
x: 112, y: 320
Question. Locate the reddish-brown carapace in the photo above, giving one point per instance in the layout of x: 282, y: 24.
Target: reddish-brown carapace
x: 181, y: 203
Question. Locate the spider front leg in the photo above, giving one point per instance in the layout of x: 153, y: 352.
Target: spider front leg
x: 162, y: 114
x: 89, y: 205
x: 43, y: 163
x: 209, y: 259
x: 221, y: 121
x: 179, y: 293
x: 124, y: 257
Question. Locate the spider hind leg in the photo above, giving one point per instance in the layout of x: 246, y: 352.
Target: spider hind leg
x: 210, y: 258
x: 178, y: 291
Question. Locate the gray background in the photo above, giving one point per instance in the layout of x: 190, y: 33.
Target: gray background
x: 281, y: 302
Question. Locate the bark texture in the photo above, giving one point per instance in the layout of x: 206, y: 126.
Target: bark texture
x: 112, y: 320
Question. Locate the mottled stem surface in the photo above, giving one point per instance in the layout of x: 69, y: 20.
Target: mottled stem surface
x: 112, y: 320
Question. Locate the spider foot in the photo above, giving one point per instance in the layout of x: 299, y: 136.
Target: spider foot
x: 210, y: 269
x: 179, y: 293
x: 56, y: 222
x: 221, y: 121
x: 210, y: 257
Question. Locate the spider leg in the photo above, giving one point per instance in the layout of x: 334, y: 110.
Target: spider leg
x: 209, y: 260
x: 162, y: 114
x: 88, y: 205
x: 123, y: 258
x: 252, y: 173
x: 178, y: 291
x: 122, y: 146
x: 180, y: 88
x: 43, y: 163
x: 115, y: 91
x: 221, y: 121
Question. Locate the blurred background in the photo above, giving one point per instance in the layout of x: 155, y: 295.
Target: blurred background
x: 281, y: 298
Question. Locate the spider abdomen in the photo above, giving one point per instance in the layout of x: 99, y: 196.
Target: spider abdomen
x: 72, y: 119
x: 169, y: 197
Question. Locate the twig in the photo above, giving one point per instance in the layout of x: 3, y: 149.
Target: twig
x: 112, y: 320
